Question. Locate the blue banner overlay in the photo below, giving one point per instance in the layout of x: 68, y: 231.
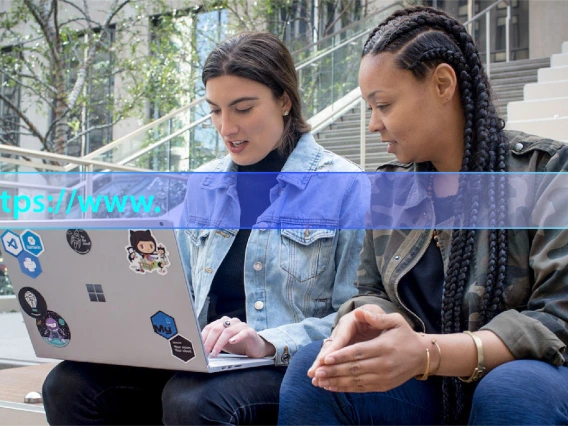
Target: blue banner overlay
x: 285, y: 200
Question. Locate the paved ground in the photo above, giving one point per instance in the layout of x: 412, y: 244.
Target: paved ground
x: 15, y: 344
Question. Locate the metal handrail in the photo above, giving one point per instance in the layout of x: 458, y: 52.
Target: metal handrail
x: 196, y: 102
x: 346, y: 28
x: 143, y: 129
x: 78, y: 161
x: 487, y: 13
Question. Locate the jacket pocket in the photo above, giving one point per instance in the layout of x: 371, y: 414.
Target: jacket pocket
x: 305, y: 254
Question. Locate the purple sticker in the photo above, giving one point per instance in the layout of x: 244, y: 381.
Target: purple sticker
x: 54, y: 329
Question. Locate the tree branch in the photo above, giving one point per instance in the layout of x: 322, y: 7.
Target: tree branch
x: 26, y: 86
x: 45, y: 30
x: 91, y: 129
x: 26, y: 120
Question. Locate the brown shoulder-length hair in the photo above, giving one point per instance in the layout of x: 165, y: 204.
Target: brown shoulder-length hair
x: 262, y: 57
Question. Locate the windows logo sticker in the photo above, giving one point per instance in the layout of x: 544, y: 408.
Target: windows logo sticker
x: 96, y: 293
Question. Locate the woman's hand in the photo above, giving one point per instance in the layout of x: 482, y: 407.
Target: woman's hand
x: 348, y: 331
x: 237, y: 338
x: 382, y: 352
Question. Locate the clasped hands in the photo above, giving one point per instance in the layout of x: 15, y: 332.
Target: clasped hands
x: 236, y: 337
x: 369, y: 351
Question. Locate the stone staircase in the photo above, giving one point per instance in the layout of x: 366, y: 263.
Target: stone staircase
x: 544, y: 110
x: 507, y: 80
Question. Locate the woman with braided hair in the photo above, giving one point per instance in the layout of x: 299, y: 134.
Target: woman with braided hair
x: 449, y: 326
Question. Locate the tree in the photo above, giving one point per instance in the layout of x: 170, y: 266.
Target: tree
x: 63, y: 59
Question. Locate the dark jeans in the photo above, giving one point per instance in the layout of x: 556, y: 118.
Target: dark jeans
x: 519, y: 392
x: 84, y: 393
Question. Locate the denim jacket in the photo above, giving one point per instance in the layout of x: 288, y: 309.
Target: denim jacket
x: 295, y: 277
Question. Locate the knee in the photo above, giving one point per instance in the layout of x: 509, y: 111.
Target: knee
x: 518, y: 384
x: 183, y: 400
x: 61, y: 382
x: 514, y: 378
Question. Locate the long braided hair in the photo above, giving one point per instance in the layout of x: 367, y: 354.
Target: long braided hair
x: 422, y: 38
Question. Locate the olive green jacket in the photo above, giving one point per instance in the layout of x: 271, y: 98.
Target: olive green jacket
x: 534, y: 321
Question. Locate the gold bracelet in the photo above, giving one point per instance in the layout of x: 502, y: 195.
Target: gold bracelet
x: 425, y: 375
x: 439, y: 356
x: 480, y: 369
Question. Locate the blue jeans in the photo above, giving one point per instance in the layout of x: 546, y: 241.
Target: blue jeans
x: 84, y: 393
x: 518, y: 392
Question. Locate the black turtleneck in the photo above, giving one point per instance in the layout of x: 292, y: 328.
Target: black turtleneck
x: 227, y: 295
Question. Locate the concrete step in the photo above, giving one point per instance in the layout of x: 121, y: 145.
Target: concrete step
x: 556, y: 89
x: 508, y: 83
x: 552, y: 74
x: 520, y: 65
x: 554, y: 128
x: 513, y: 77
x: 559, y: 60
x: 542, y: 108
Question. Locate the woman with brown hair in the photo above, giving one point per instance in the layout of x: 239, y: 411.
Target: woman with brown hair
x: 262, y: 290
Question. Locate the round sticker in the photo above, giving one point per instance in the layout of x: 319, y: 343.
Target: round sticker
x: 79, y: 241
x: 32, y: 302
x: 54, y: 329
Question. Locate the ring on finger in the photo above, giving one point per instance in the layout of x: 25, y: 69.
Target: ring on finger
x: 227, y: 324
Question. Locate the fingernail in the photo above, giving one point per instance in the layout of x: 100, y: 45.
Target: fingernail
x: 324, y: 383
x: 232, y: 340
x: 321, y: 373
x: 330, y: 360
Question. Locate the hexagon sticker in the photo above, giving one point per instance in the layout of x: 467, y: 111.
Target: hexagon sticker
x: 164, y: 325
x: 182, y: 348
x: 29, y: 264
x: 12, y: 243
x: 32, y: 242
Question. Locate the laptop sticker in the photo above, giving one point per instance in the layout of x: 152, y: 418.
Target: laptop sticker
x: 79, y: 241
x: 54, y: 329
x: 29, y: 264
x: 164, y: 325
x: 182, y: 348
x: 32, y: 242
x: 145, y: 254
x: 32, y: 302
x: 96, y: 293
x: 12, y: 243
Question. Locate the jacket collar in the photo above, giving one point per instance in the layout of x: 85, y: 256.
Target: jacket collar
x: 304, y: 158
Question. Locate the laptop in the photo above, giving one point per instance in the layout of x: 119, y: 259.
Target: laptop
x: 117, y: 295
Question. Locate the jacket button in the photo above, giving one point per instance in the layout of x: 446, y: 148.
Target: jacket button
x: 397, y: 258
x: 257, y: 266
x: 208, y: 270
x: 258, y: 305
x: 307, y: 233
x: 518, y: 146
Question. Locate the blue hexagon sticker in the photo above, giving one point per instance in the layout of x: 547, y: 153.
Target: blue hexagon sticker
x: 12, y: 243
x: 29, y: 264
x: 164, y: 325
x: 32, y: 242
